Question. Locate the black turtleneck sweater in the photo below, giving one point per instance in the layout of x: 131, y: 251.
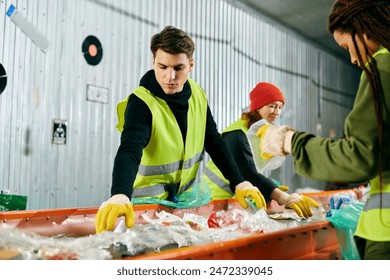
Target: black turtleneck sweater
x: 238, y: 145
x: 137, y: 131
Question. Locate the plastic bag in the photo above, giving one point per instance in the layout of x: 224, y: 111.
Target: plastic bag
x: 345, y: 221
x: 254, y: 143
x: 197, y: 195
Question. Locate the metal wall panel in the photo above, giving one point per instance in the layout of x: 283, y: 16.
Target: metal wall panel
x: 235, y: 49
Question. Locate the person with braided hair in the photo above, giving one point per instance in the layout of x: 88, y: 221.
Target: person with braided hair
x: 361, y: 27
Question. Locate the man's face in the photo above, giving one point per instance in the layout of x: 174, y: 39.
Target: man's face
x: 171, y: 70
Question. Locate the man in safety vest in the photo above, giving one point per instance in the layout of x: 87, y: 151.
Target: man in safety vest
x: 166, y: 125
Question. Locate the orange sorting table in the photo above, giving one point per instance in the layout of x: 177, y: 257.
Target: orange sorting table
x: 316, y: 240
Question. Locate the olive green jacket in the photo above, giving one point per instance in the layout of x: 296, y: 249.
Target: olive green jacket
x: 355, y: 158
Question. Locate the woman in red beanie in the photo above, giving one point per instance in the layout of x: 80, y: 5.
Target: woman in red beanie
x: 266, y: 102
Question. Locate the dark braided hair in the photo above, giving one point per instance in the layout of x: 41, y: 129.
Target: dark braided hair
x: 372, y: 18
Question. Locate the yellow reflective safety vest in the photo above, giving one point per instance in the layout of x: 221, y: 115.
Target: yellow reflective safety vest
x: 219, y: 185
x: 166, y: 160
x: 374, y: 221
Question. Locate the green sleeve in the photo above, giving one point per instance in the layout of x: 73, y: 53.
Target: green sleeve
x: 355, y: 158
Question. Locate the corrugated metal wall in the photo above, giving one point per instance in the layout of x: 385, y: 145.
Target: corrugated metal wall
x: 236, y: 48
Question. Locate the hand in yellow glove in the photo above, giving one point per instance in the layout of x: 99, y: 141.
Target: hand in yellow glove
x: 118, y: 205
x: 283, y: 188
x: 275, y: 140
x: 247, y: 190
x: 299, y: 203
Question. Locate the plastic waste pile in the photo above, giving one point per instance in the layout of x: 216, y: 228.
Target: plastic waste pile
x: 162, y: 232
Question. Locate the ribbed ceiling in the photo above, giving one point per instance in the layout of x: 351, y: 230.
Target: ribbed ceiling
x: 308, y: 17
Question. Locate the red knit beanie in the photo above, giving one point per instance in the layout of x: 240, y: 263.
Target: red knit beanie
x: 263, y: 94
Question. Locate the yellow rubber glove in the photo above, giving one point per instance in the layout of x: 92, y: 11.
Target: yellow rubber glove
x: 247, y: 190
x: 299, y: 203
x: 275, y: 140
x: 283, y: 188
x: 261, y: 133
x: 118, y: 205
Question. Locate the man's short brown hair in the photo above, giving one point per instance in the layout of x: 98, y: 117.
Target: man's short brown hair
x: 172, y: 40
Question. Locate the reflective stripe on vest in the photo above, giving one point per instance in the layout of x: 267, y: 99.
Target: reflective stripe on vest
x: 217, y: 181
x: 374, y: 221
x: 374, y: 202
x: 169, y: 168
x: 219, y: 185
x: 166, y: 160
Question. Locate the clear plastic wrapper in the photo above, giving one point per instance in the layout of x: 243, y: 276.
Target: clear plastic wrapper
x: 346, y: 197
x: 34, y: 247
x: 261, y: 164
